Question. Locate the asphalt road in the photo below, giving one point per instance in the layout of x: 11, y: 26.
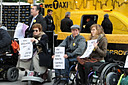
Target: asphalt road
x: 19, y: 81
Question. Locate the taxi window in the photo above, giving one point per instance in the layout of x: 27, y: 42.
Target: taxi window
x: 84, y: 20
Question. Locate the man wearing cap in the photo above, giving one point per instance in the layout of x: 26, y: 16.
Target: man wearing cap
x: 49, y: 21
x: 74, y: 46
x: 35, y: 17
x: 66, y: 23
x: 107, y: 25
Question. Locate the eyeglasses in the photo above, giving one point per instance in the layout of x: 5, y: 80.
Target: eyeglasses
x: 35, y: 30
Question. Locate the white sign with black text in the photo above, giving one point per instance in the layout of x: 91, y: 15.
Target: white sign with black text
x: 126, y: 62
x: 26, y: 48
x: 59, y: 60
x: 89, y: 49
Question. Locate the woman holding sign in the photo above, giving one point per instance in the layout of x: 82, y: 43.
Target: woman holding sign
x: 40, y: 54
x: 96, y: 58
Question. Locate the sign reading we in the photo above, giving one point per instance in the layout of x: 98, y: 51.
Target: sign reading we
x: 59, y: 60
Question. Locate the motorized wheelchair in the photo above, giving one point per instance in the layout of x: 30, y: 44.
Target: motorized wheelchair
x: 8, y: 61
x: 32, y: 77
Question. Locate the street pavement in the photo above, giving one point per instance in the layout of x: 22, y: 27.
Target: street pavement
x: 19, y: 81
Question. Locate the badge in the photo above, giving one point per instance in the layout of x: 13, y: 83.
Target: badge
x: 34, y: 21
x: 74, y: 44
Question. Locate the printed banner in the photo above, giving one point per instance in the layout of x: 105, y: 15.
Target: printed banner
x: 59, y: 60
x: 26, y: 48
x: 89, y: 49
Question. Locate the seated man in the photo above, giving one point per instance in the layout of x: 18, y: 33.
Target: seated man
x: 74, y: 46
x: 5, y: 40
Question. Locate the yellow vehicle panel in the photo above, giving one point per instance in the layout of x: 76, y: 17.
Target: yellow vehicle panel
x: 117, y: 9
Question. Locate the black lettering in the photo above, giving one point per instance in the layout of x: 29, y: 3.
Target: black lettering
x: 67, y: 5
x: 55, y: 4
x: 60, y: 5
x: 64, y: 6
x: 48, y: 5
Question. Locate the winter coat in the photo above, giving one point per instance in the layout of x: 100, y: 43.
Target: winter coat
x: 74, y: 47
x: 5, y: 41
x: 66, y: 23
x: 44, y: 57
x: 107, y: 26
x: 39, y: 19
x: 50, y: 23
x: 100, y: 52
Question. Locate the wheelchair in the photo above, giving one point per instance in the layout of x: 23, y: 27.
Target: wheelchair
x: 8, y: 70
x: 107, y: 73
x: 32, y: 77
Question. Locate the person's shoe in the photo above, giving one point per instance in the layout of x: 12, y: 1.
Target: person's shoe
x: 62, y: 82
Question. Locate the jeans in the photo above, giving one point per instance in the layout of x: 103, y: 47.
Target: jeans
x: 64, y: 72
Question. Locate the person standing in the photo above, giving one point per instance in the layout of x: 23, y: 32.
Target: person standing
x: 107, y: 25
x: 66, y: 23
x: 5, y: 40
x: 35, y: 18
x: 89, y: 23
x: 49, y: 21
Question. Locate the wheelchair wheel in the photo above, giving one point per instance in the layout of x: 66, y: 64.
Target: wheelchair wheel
x: 12, y: 74
x: 49, y: 79
x: 110, y: 70
x: 112, y: 78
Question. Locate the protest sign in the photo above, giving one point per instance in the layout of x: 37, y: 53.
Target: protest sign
x: 26, y: 48
x: 20, y: 30
x: 59, y: 60
x: 126, y: 62
x: 89, y: 49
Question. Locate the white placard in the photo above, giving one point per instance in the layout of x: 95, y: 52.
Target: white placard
x: 26, y: 48
x: 126, y: 62
x: 89, y: 49
x: 20, y: 30
x: 59, y: 60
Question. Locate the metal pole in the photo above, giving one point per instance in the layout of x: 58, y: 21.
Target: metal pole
x: 1, y: 12
x: 19, y: 12
x: 34, y: 2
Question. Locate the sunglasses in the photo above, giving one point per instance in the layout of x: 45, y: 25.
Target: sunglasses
x: 35, y: 30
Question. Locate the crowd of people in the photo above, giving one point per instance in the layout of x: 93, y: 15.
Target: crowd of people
x: 75, y: 44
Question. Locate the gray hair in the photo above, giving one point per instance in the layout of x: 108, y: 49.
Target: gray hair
x: 67, y: 14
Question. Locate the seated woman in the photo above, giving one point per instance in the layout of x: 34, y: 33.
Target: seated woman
x: 5, y: 40
x: 98, y: 54
x: 41, y: 39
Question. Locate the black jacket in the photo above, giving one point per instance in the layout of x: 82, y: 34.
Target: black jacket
x: 66, y: 23
x: 44, y: 56
x: 5, y: 41
x: 87, y: 27
x: 107, y: 26
x: 50, y: 23
x: 39, y: 19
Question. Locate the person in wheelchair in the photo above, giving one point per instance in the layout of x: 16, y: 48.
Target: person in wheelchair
x: 74, y: 46
x: 96, y: 57
x: 40, y: 40
x: 5, y: 40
